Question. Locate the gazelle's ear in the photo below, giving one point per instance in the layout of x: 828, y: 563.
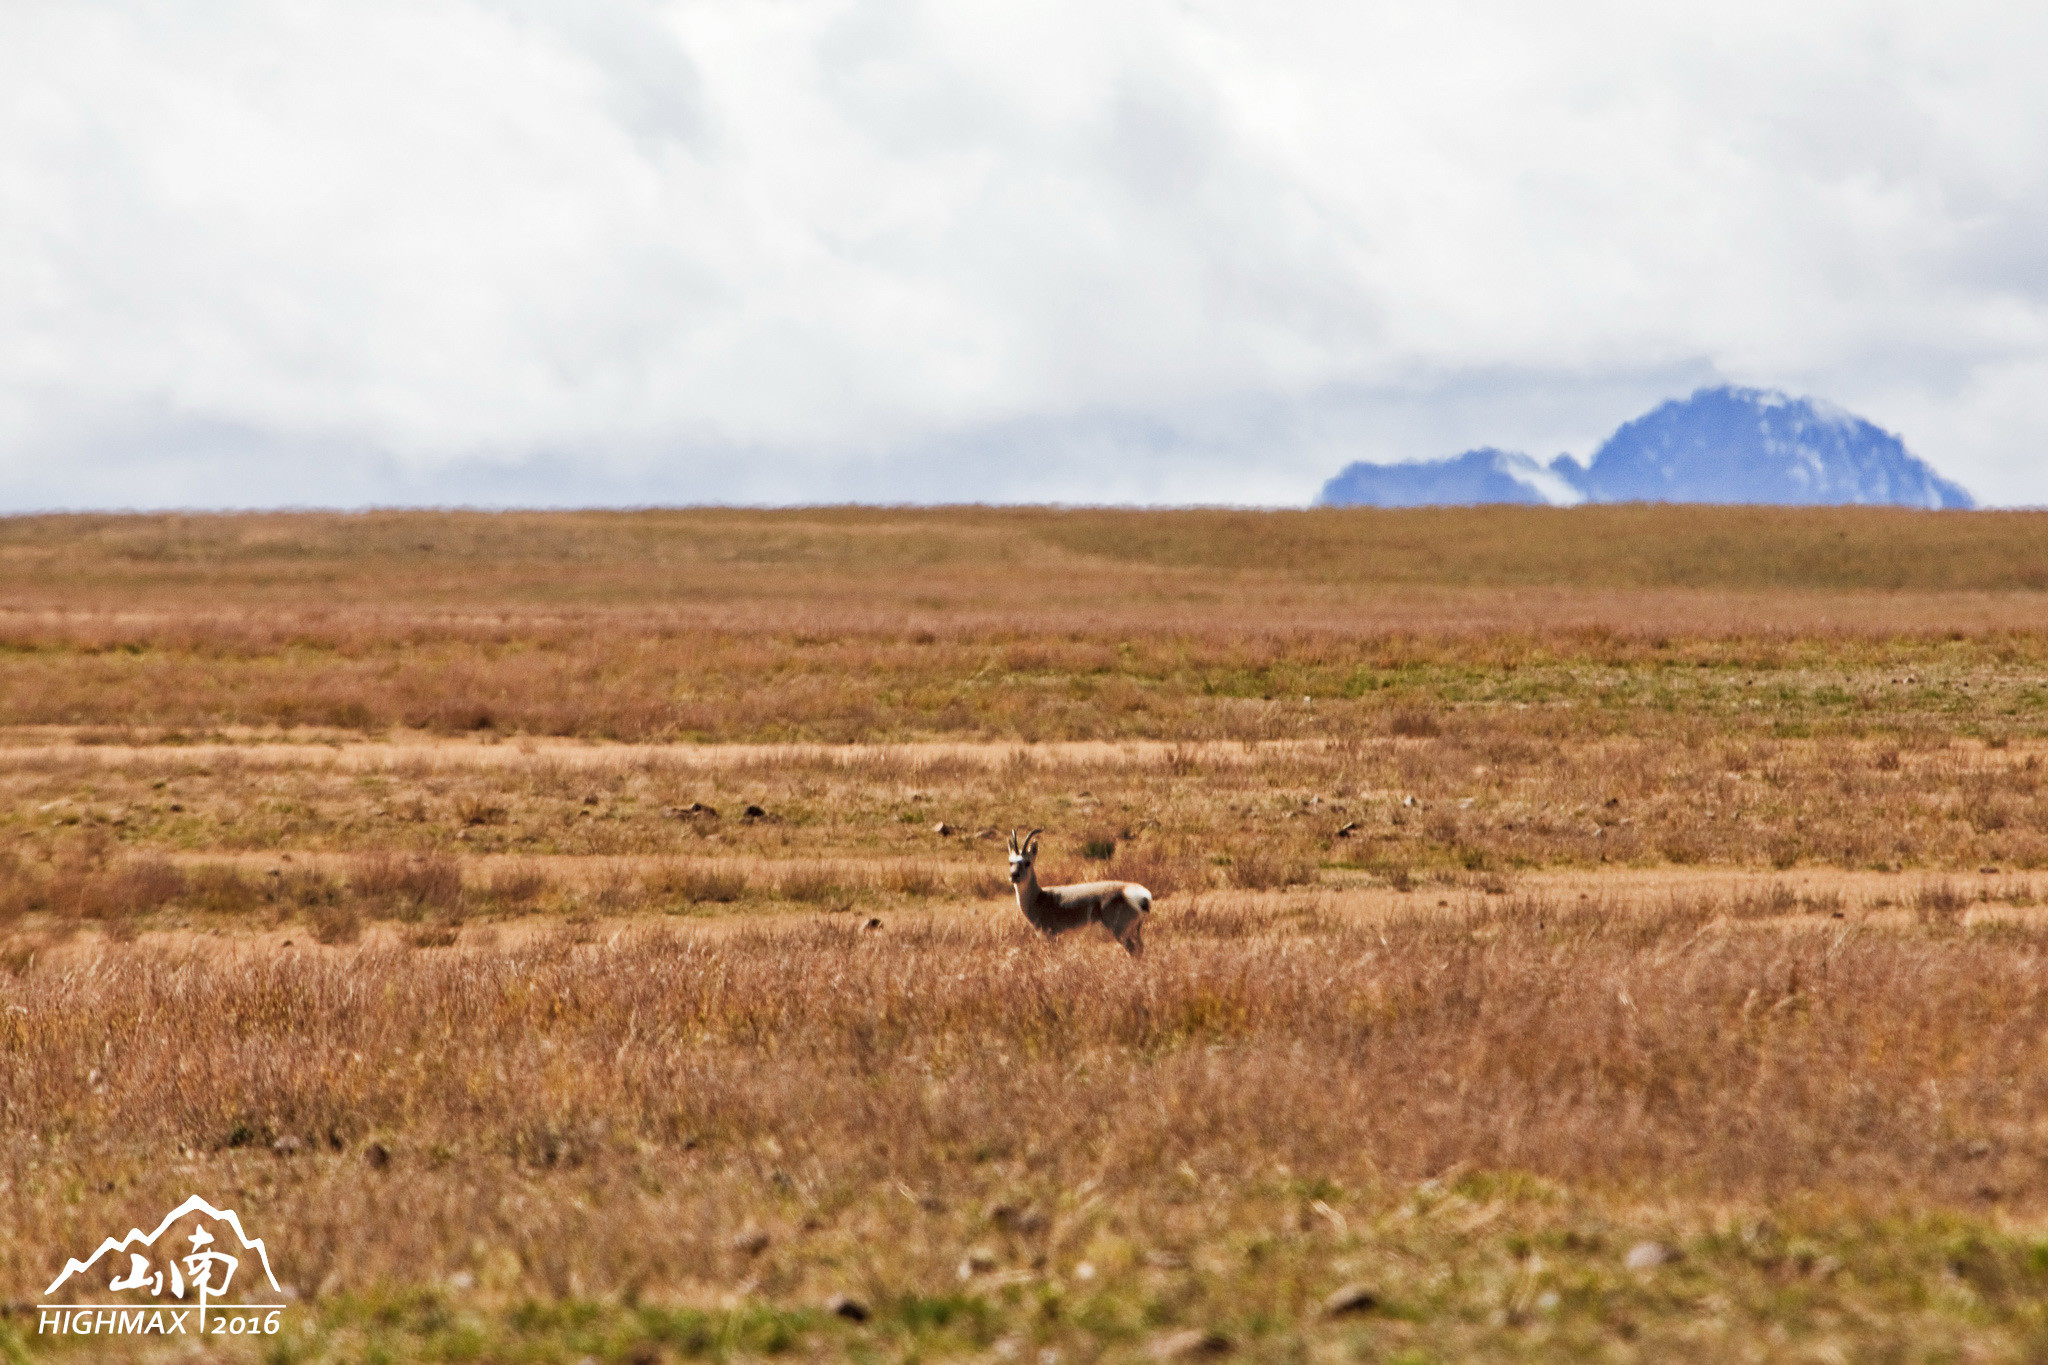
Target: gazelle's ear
x: 1013, y: 838
x: 1031, y: 841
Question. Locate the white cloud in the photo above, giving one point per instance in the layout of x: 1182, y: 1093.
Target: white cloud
x: 601, y: 250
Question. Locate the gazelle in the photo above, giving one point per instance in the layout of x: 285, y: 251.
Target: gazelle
x: 1119, y: 907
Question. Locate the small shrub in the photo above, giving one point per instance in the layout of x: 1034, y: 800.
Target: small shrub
x: 106, y: 734
x: 18, y: 956
x: 439, y: 932
x: 336, y: 922
x: 218, y: 888
x: 706, y: 885
x: 1098, y: 848
x: 617, y: 890
x: 480, y: 810
x: 988, y: 886
x: 1989, y: 816
x: 17, y: 889
x: 118, y: 893
x: 1412, y: 722
x: 304, y: 889
x: 813, y: 884
x: 408, y: 884
x: 1152, y: 869
x: 516, y: 886
x: 1765, y: 902
x: 1222, y: 917
x: 1259, y: 867
x: 1683, y: 847
x: 1939, y: 903
x: 915, y: 879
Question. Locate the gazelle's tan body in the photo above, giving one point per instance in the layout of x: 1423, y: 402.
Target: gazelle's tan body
x: 1119, y: 907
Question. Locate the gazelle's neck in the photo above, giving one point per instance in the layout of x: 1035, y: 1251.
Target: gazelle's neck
x: 1028, y: 891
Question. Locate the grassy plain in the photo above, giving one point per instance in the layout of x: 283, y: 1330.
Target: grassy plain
x: 1600, y: 934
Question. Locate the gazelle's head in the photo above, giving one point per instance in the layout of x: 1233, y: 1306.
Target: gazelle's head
x: 1022, y: 855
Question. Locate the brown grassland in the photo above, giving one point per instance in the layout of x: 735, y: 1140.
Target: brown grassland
x: 1599, y: 934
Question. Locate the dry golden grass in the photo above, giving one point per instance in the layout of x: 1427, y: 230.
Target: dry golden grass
x: 951, y: 1120
x: 664, y: 554
x: 1493, y: 795
x: 848, y: 624
x: 1532, y: 885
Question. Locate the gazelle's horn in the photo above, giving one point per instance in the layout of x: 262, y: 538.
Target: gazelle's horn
x: 1013, y: 838
x: 1031, y: 839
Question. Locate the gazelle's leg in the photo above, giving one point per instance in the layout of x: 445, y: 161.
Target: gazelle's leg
x: 1126, y: 926
x: 1133, y: 937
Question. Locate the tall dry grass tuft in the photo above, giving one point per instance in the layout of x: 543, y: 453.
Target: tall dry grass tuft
x: 815, y: 884
x: 1159, y: 871
x: 1261, y: 866
x: 516, y: 887
x: 335, y: 921
x: 1940, y: 903
x: 706, y: 885
x: 409, y: 885
x: 89, y: 883
x: 1413, y: 723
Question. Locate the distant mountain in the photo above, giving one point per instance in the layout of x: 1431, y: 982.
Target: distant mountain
x: 1476, y: 476
x: 1720, y: 445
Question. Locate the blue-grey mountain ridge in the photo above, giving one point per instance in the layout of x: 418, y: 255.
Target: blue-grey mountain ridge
x: 1725, y: 445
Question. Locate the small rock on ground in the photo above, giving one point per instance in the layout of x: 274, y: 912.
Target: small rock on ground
x: 1352, y: 1298
x: 1189, y: 1345
x: 1649, y: 1255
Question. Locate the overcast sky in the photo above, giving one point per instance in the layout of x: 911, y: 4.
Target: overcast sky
x: 603, y: 251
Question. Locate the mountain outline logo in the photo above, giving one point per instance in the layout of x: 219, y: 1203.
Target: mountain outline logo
x: 208, y: 1272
